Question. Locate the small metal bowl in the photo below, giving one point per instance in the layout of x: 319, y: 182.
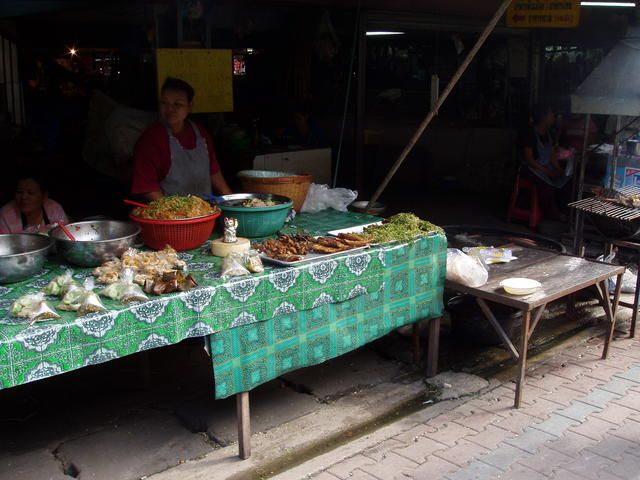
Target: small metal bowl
x: 22, y: 255
x: 96, y: 242
x: 377, y: 208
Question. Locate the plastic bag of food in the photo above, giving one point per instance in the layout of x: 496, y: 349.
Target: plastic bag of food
x: 89, y: 302
x: 465, y: 269
x: 34, y: 307
x: 321, y: 197
x: 128, y: 258
x: 124, y: 290
x: 169, y: 282
x: 489, y: 255
x: 59, y: 285
x: 72, y: 299
x: 252, y: 261
x: 233, y: 265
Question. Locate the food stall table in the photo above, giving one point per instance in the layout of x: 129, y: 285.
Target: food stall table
x: 257, y: 327
x: 560, y: 275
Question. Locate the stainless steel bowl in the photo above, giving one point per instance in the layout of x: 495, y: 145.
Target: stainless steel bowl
x: 22, y: 255
x: 235, y: 199
x: 377, y: 208
x: 96, y: 241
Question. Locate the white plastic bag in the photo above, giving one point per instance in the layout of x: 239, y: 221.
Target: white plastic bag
x: 628, y: 279
x: 628, y: 282
x: 321, y: 197
x: 465, y: 269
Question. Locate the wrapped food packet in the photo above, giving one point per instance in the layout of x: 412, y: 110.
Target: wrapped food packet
x: 253, y: 262
x: 128, y: 258
x: 233, y: 265
x: 131, y: 292
x: 60, y: 284
x: 89, y: 302
x: 34, y: 307
x: 169, y: 282
x: 489, y: 255
x: 72, y: 300
x: 124, y: 290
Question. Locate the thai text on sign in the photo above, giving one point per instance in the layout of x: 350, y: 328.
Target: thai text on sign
x: 543, y: 13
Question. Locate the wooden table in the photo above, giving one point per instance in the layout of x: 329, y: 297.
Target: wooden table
x: 560, y: 275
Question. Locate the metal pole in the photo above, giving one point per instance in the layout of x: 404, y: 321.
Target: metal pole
x: 347, y: 95
x: 614, y: 159
x: 425, y: 123
x: 579, y: 225
x: 361, y: 99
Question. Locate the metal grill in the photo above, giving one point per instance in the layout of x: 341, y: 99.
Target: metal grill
x: 609, y: 209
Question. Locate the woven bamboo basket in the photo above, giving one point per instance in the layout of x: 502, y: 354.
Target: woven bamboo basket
x: 278, y: 183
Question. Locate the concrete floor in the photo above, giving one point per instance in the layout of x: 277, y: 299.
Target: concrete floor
x: 111, y: 422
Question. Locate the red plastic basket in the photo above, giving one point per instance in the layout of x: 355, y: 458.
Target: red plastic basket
x: 182, y: 235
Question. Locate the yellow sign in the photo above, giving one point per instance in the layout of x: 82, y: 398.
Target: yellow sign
x: 543, y: 13
x: 208, y: 71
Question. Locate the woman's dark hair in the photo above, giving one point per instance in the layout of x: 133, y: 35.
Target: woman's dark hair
x: 176, y: 84
x: 538, y: 111
x: 34, y: 175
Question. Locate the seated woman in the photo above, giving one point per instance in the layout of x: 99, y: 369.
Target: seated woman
x: 544, y: 169
x: 32, y: 210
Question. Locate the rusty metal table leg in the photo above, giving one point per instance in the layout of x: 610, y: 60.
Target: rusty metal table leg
x: 610, y: 308
x: 497, y: 327
x: 433, y: 347
x: 244, y: 425
x: 417, y: 354
x: 522, y: 361
x: 636, y: 296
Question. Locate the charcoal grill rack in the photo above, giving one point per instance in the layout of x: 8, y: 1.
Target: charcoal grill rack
x: 605, y: 208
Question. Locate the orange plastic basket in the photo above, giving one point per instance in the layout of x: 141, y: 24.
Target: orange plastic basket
x: 182, y: 235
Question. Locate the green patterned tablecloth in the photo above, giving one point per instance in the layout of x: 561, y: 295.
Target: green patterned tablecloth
x: 29, y: 353
x: 246, y: 356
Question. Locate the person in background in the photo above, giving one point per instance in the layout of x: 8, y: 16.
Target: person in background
x: 304, y: 131
x: 31, y: 210
x: 543, y: 167
x: 174, y: 156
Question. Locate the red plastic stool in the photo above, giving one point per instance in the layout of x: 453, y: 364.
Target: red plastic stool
x: 533, y: 214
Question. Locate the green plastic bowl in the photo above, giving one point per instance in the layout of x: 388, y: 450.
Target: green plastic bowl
x: 256, y: 221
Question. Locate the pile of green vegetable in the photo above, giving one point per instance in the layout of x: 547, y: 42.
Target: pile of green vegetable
x: 402, y: 227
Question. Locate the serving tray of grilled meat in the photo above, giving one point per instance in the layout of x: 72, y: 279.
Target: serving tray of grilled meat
x: 291, y: 250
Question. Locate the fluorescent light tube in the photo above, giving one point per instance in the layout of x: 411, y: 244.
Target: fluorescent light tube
x: 608, y: 4
x: 371, y: 34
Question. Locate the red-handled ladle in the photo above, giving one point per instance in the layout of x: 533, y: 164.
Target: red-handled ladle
x: 137, y: 204
x: 67, y: 232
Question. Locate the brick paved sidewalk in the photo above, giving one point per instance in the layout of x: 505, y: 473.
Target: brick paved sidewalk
x: 580, y: 420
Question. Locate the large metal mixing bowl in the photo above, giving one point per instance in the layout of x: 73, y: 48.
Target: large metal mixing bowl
x: 22, y: 255
x: 96, y: 241
x: 234, y: 200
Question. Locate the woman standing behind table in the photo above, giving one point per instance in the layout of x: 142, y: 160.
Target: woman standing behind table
x: 174, y: 156
x: 32, y: 210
